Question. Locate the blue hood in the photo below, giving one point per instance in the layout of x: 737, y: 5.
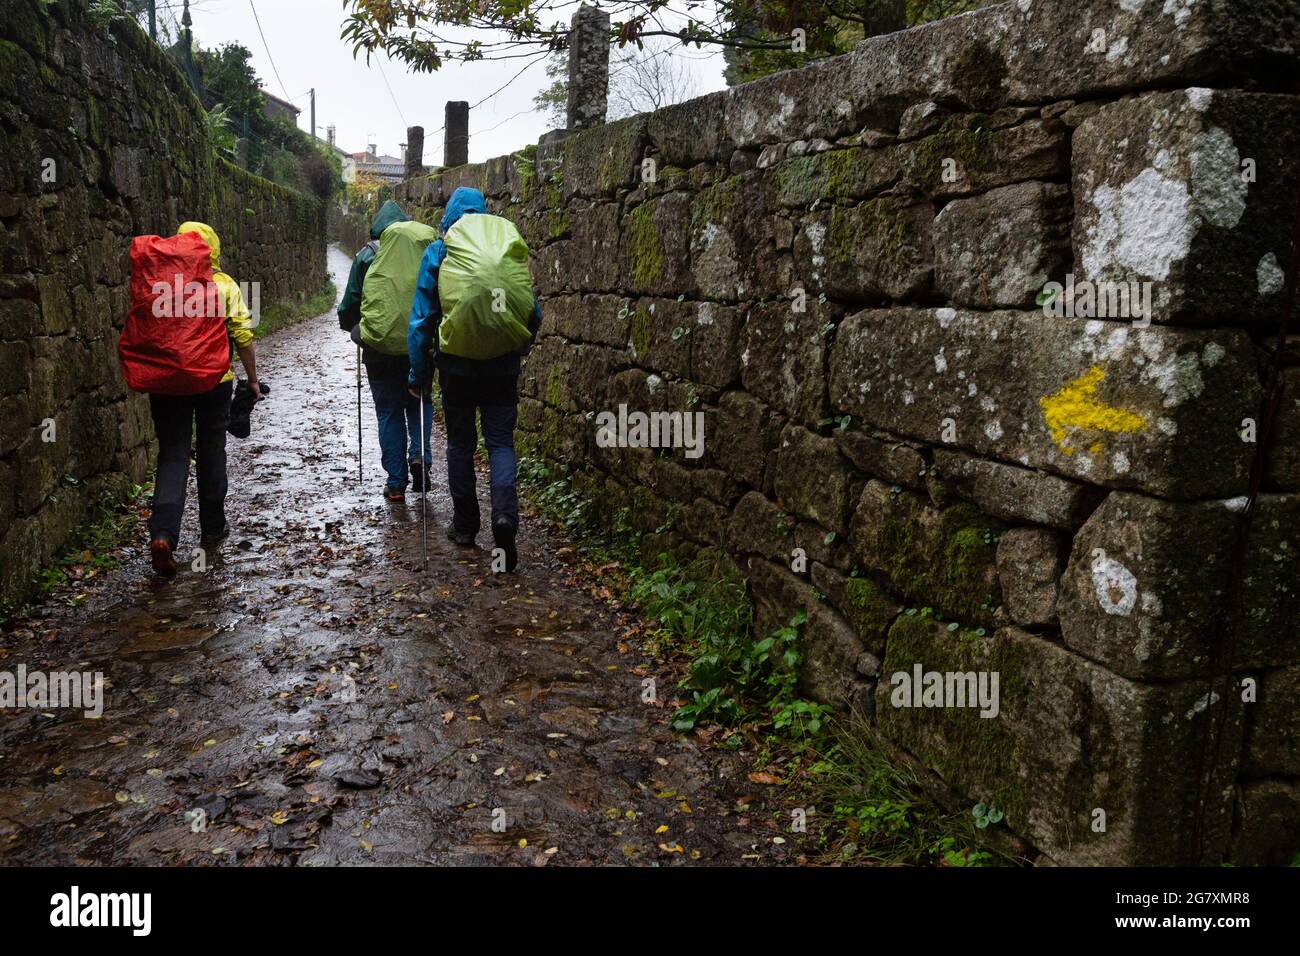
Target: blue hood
x: 464, y: 199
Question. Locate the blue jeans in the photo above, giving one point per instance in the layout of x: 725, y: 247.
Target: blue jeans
x: 399, y: 426
x: 498, y: 419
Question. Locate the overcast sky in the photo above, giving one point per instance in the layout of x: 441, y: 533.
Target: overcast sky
x: 303, y: 37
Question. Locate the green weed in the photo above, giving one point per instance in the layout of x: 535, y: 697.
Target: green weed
x: 880, y: 812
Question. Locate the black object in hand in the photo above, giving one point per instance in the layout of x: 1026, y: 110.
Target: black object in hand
x: 241, y: 408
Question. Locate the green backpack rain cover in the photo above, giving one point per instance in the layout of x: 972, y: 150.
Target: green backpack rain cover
x: 390, y: 285
x: 484, y: 289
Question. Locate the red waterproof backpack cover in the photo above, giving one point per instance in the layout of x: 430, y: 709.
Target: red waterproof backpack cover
x: 174, y: 342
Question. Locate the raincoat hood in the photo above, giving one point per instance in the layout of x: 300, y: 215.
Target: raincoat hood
x: 388, y: 214
x: 208, y: 235
x: 464, y: 199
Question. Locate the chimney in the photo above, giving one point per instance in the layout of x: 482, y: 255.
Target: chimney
x: 372, y: 151
x: 329, y: 134
x: 403, y: 148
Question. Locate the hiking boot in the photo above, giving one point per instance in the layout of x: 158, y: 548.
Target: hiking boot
x: 160, y: 556
x: 394, y: 494
x: 211, y: 539
x: 503, y: 533
x: 459, y: 537
x: 419, y: 477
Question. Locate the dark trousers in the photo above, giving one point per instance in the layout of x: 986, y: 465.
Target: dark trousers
x: 497, y: 404
x: 175, y: 419
x: 399, y: 424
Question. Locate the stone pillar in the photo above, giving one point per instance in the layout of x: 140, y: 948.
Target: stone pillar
x: 414, y: 150
x: 455, y: 149
x: 588, y: 67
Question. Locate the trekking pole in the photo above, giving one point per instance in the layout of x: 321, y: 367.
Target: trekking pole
x: 359, y: 480
x: 424, y: 486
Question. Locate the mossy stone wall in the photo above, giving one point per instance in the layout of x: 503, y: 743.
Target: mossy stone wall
x: 101, y: 139
x: 884, y: 439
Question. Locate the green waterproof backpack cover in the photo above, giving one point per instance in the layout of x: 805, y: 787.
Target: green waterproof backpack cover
x: 484, y: 289
x: 390, y: 285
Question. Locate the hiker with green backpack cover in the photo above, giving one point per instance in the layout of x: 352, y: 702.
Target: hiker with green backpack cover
x: 374, y: 310
x: 473, y: 317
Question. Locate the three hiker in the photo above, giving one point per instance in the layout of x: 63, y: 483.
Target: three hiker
x: 373, y: 310
x: 184, y: 364
x: 473, y: 317
x: 458, y: 299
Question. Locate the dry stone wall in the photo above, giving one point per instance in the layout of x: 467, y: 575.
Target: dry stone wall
x: 101, y: 140
x: 846, y: 270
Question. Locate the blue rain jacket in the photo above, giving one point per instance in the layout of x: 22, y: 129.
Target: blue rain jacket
x: 426, y: 310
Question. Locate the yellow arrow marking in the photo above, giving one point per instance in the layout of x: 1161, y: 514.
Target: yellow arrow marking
x: 1074, y: 408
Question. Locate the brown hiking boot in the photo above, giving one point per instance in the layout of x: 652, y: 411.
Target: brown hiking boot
x: 160, y: 554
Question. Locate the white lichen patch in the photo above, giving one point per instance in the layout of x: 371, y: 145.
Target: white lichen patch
x: 1269, y: 275
x: 1209, y: 700
x: 1218, y: 188
x: 1180, y: 10
x: 1113, y: 584
x: 785, y: 108
x: 993, y: 430
x: 1199, y: 98
x: 1177, y: 377
x: 816, y: 236
x: 1144, y: 227
x: 1151, y: 604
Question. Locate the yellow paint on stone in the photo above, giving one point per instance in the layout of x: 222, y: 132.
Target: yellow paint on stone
x: 1074, y: 408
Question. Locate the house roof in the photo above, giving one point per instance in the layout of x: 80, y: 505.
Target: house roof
x: 367, y: 159
x: 281, y: 102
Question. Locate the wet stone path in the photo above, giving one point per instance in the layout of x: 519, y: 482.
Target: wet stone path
x: 314, y: 697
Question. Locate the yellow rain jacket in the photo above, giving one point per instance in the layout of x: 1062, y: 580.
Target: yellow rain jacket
x: 239, y: 321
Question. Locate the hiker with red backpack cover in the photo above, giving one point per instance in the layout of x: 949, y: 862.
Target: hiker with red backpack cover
x: 176, y: 346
